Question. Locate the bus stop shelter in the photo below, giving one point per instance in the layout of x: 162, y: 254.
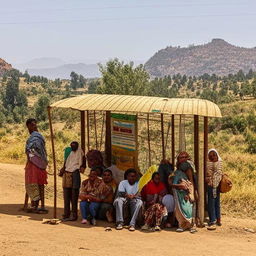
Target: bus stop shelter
x: 130, y: 104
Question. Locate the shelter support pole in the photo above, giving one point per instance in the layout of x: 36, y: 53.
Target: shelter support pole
x: 102, y: 130
x: 54, y: 165
x: 108, y: 152
x: 162, y: 132
x: 82, y: 127
x: 95, y: 129
x: 88, y: 129
x: 173, y: 140
x: 205, y: 152
x: 149, y: 146
x: 200, y: 173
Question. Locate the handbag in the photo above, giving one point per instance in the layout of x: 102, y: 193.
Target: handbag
x: 225, y: 184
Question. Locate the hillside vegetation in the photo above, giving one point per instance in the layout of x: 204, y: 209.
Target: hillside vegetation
x: 234, y: 135
x: 217, y: 57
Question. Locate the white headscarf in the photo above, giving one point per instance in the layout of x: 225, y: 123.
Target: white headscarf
x: 215, y: 151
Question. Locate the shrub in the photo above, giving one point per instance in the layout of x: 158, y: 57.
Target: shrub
x: 250, y: 139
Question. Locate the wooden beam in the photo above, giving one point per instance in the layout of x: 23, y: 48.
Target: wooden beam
x: 102, y: 130
x: 162, y: 132
x: 54, y: 165
x: 173, y: 140
x: 149, y: 146
x: 200, y: 173
x: 82, y: 129
x: 88, y: 129
x: 108, y: 149
x: 205, y: 154
x: 196, y: 142
x: 95, y: 129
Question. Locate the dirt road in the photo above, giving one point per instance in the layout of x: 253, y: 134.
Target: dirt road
x: 24, y: 234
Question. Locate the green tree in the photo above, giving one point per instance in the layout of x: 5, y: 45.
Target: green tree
x: 41, y: 107
x: 74, y: 80
x: 120, y: 78
x: 93, y: 85
x: 253, y: 85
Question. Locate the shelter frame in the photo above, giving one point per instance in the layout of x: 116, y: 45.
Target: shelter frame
x: 146, y: 105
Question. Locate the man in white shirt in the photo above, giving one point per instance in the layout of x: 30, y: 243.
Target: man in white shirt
x: 75, y: 164
x: 128, y: 194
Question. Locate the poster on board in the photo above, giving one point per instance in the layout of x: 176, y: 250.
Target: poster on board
x: 124, y: 141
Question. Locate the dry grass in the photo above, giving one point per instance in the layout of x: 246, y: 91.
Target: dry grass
x: 237, y: 163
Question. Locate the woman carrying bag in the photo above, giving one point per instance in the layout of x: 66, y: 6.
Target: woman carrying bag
x: 213, y: 178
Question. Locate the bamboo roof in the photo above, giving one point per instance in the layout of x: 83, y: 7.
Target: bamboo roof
x: 140, y: 104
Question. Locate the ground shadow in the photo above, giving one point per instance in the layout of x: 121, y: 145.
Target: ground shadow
x: 16, y: 210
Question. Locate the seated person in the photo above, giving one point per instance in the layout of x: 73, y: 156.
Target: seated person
x: 128, y: 194
x: 165, y: 170
x: 94, y: 158
x: 91, y: 194
x: 118, y: 174
x: 106, y: 207
x: 99, y: 170
x: 153, y: 194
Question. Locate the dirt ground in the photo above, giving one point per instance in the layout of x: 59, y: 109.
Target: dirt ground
x: 24, y: 234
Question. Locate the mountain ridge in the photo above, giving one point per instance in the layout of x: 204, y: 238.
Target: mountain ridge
x: 216, y: 57
x: 4, y: 66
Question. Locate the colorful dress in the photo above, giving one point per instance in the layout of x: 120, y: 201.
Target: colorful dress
x: 183, y: 198
x: 152, y: 194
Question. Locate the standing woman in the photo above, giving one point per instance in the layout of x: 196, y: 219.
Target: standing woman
x: 152, y: 194
x: 213, y: 178
x: 35, y: 170
x: 182, y: 183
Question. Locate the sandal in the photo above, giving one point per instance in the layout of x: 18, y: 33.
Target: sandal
x: 157, y: 228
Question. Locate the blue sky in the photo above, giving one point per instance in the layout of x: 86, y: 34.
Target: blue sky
x: 94, y: 30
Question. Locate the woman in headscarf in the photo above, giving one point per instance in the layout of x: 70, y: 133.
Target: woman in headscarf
x: 152, y: 194
x: 182, y: 183
x: 213, y: 178
x: 35, y: 170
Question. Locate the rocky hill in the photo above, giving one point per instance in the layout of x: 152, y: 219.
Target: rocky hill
x: 4, y: 66
x: 217, y: 57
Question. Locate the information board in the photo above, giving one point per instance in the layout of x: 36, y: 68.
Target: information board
x: 124, y: 141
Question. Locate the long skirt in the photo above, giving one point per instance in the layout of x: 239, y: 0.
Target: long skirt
x: 34, y: 177
x: 183, y: 209
x: 154, y: 214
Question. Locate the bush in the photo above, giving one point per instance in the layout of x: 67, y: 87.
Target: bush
x: 250, y: 139
x: 240, y: 124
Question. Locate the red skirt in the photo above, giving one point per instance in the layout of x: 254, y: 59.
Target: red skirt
x: 35, y: 175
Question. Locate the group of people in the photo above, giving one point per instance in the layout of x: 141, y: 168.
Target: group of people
x: 169, y: 199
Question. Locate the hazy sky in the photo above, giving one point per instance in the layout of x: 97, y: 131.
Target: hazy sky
x: 80, y: 30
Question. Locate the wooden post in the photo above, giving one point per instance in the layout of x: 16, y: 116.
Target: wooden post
x: 205, y: 153
x: 162, y: 132
x: 102, y: 130
x: 173, y: 140
x: 82, y: 128
x: 200, y: 172
x: 95, y: 129
x: 108, y: 152
x: 88, y: 129
x: 196, y: 142
x: 149, y: 146
x: 54, y: 165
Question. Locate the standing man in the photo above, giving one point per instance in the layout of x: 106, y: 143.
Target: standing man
x: 74, y: 164
x: 35, y: 170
